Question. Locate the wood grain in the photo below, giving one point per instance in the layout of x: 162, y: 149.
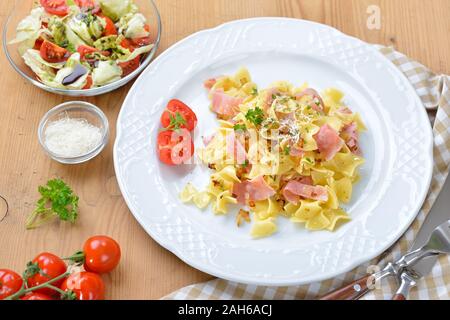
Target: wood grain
x: 418, y: 28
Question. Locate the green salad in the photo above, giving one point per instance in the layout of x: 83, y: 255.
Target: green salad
x: 83, y: 44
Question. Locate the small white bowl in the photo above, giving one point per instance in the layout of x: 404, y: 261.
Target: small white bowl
x: 75, y: 109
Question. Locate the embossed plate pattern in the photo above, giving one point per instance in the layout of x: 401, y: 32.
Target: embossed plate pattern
x: 397, y: 146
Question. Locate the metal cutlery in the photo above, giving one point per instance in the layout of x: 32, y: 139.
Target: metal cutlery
x: 431, y: 241
x: 408, y: 269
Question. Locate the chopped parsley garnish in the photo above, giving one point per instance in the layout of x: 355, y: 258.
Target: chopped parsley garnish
x: 317, y: 103
x: 255, y: 116
x: 240, y: 127
x: 255, y: 91
x: 245, y: 164
x: 176, y: 121
x: 287, y: 150
x: 309, y: 160
x: 274, y: 96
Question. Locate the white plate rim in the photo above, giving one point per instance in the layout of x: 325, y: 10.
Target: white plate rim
x: 323, y: 276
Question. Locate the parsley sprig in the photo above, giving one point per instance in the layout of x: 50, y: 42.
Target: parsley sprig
x: 255, y: 116
x: 57, y: 201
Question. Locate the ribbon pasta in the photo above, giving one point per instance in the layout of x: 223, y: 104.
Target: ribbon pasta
x: 278, y: 135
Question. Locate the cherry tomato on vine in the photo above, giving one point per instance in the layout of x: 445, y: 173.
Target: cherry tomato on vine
x: 50, y: 267
x: 102, y: 254
x: 36, y: 296
x: 85, y: 285
x: 10, y: 283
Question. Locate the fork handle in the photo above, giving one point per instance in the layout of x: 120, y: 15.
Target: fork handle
x: 352, y: 291
x: 398, y: 296
x: 407, y: 282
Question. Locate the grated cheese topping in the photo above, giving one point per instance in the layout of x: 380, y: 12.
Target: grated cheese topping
x: 72, y: 137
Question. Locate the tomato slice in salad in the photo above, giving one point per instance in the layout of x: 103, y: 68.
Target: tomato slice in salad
x: 127, y: 44
x: 53, y: 53
x: 57, y: 7
x: 144, y: 41
x: 175, y: 146
x: 87, y: 4
x: 38, y: 44
x: 89, y: 83
x: 178, y: 115
x: 110, y: 28
x: 83, y: 50
x: 129, y: 66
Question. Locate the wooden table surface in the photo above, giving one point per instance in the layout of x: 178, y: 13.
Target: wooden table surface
x: 419, y: 28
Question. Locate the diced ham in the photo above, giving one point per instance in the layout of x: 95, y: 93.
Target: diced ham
x: 269, y: 97
x: 296, y: 152
x: 235, y: 149
x: 345, y: 110
x: 351, y: 137
x: 328, y: 141
x: 315, y: 97
x: 252, y: 190
x: 208, y: 84
x: 225, y: 105
x: 295, y: 190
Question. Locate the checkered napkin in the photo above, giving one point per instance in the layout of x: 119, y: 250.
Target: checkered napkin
x: 434, y: 90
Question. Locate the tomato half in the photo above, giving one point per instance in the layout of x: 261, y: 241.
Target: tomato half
x: 36, y: 296
x: 58, y: 7
x: 53, y: 53
x: 175, y: 146
x: 176, y: 106
x: 85, y: 285
x: 89, y: 83
x: 102, y: 254
x: 51, y: 266
x: 10, y: 283
x: 129, y: 66
x: 143, y: 41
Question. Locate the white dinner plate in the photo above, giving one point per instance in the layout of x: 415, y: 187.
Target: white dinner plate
x: 397, y: 148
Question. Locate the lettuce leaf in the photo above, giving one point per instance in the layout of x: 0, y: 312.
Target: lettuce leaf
x: 44, y: 72
x: 106, y: 72
x: 29, y: 30
x: 72, y: 62
x: 133, y: 26
x: 115, y: 9
x: 87, y: 26
x: 35, y: 55
x: 137, y: 52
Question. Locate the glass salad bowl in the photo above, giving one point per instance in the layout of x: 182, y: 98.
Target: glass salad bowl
x: 23, y: 9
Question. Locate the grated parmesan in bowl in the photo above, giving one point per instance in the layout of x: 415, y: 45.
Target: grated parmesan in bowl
x: 74, y: 132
